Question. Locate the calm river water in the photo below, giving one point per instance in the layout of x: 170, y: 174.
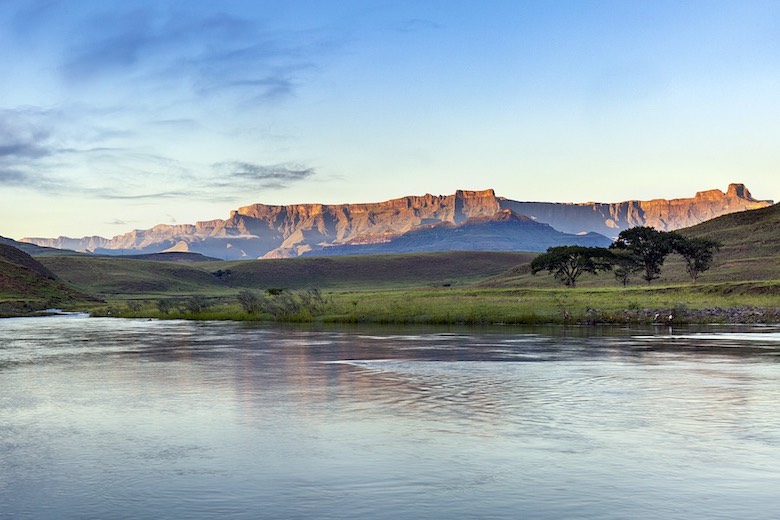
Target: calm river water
x: 109, y: 418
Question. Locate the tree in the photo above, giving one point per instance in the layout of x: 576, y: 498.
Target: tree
x: 649, y: 246
x: 624, y: 265
x: 697, y: 253
x: 567, y: 263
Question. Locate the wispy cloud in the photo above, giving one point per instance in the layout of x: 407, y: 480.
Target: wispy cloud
x: 21, y: 137
x: 111, y: 194
x: 118, y: 222
x: 271, y: 176
x: 13, y: 178
x: 211, y: 53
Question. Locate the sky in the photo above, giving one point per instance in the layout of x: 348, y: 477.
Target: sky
x: 120, y: 115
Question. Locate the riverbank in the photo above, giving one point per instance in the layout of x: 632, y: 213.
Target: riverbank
x: 717, y: 303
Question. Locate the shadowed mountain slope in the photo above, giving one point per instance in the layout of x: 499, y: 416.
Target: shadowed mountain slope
x: 504, y: 231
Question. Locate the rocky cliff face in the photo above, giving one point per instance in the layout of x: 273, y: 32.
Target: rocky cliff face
x: 504, y: 231
x: 666, y: 215
x: 262, y: 230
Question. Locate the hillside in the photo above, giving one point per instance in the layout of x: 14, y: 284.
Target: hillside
x: 271, y: 231
x: 174, y: 257
x: 114, y: 276
x: 750, y: 253
x: 126, y: 277
x: 751, y: 244
x: 26, y: 285
x: 372, y: 271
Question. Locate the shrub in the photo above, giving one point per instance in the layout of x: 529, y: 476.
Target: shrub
x: 197, y: 303
x: 250, y: 302
x: 165, y: 306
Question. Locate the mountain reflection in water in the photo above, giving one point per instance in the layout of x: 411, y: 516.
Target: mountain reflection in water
x: 108, y: 418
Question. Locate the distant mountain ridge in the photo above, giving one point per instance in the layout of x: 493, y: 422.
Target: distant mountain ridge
x: 504, y: 231
x: 272, y: 231
x: 662, y: 214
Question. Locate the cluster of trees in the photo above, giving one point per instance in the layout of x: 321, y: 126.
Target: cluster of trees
x: 637, y: 250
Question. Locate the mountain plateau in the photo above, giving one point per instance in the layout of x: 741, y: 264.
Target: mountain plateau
x: 272, y: 231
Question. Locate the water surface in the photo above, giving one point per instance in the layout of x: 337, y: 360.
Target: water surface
x: 108, y: 418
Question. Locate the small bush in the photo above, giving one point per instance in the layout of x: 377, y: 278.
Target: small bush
x: 165, y: 306
x: 293, y: 306
x: 197, y: 304
x: 250, y: 302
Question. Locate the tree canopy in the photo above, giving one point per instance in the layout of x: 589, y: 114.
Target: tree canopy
x: 639, y: 249
x: 648, y: 246
x: 567, y: 263
x: 698, y: 254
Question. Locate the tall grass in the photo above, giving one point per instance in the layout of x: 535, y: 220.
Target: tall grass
x: 486, y: 306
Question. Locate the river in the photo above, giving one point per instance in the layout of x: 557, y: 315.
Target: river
x: 110, y: 418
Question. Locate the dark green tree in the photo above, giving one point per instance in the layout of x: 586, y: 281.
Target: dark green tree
x: 568, y: 263
x: 698, y: 254
x: 624, y: 265
x: 649, y: 246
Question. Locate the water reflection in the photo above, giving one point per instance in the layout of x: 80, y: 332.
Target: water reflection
x: 121, y: 418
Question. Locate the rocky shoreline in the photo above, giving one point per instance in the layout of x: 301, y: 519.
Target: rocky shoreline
x: 682, y: 315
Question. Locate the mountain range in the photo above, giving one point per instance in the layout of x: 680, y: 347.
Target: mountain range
x: 463, y: 220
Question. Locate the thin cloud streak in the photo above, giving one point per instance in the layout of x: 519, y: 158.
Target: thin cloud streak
x: 267, y: 176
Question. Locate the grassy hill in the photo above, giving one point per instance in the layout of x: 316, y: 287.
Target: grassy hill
x: 116, y: 276
x: 370, y: 271
x: 26, y: 285
x: 751, y: 244
x: 750, y: 253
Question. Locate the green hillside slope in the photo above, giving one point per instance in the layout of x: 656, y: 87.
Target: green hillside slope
x: 751, y: 244
x: 750, y: 253
x: 26, y: 285
x: 370, y: 271
x: 115, y: 276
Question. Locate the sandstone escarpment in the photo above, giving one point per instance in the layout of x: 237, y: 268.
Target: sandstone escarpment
x: 273, y: 231
x: 665, y: 215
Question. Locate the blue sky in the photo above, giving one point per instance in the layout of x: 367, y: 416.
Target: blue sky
x: 116, y: 115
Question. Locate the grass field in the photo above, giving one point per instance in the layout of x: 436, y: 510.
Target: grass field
x: 704, y: 303
x: 127, y: 278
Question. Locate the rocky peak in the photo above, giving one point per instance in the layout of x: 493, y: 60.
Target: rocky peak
x: 738, y: 191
